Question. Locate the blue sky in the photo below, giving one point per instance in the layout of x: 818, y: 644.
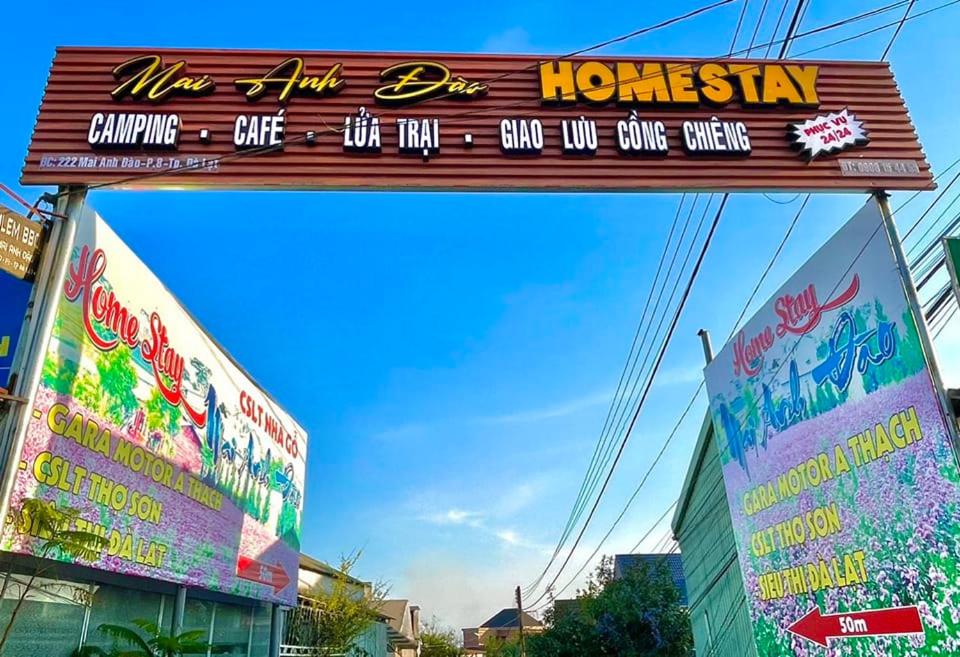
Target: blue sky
x: 452, y: 356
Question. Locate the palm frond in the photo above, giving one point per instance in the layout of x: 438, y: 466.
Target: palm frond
x: 191, y: 636
x: 126, y: 635
x: 147, y: 626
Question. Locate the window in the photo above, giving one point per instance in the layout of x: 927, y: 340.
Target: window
x: 231, y: 629
x: 119, y: 606
x: 260, y: 646
x: 49, y: 620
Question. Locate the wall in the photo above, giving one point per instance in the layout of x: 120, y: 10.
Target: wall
x: 721, y: 625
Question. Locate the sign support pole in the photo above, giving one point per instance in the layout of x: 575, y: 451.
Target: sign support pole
x: 49, y: 282
x: 893, y: 236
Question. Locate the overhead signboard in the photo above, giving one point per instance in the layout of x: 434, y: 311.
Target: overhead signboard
x: 162, y: 444
x: 21, y: 241
x: 840, y: 472
x: 347, y: 120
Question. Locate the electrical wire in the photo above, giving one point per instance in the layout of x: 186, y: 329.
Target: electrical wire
x: 951, y: 313
x: 791, y: 28
x: 756, y: 29
x: 776, y: 28
x: 676, y: 317
x: 581, y: 495
x: 896, y: 33
x: 693, y: 399
x: 946, y: 322
x: 878, y: 29
x: 736, y: 32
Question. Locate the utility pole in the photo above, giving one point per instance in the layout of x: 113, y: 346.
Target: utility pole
x: 523, y: 647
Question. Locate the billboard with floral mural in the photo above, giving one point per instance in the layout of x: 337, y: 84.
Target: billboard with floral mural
x: 839, y: 469
x: 163, y: 445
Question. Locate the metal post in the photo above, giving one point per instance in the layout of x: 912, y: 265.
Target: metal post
x: 707, y: 346
x: 49, y: 282
x: 276, y: 629
x: 87, y: 609
x: 893, y: 237
x: 179, y: 605
x: 523, y: 647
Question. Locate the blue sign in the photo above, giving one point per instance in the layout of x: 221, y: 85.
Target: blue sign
x: 14, y: 296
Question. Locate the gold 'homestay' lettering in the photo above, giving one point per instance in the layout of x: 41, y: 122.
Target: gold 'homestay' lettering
x: 677, y: 83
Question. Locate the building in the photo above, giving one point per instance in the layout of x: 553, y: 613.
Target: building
x: 403, y: 628
x: 565, y: 608
x: 395, y: 633
x: 60, y: 613
x: 702, y: 525
x: 673, y: 562
x: 190, y: 515
x: 504, y: 625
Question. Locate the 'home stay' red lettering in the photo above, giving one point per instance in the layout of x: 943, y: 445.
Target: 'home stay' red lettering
x: 748, y: 356
x: 801, y: 314
x: 101, y: 308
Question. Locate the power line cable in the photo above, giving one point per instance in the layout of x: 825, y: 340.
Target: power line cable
x: 610, y: 411
x: 896, y: 33
x: 776, y: 28
x: 953, y: 311
x: 877, y: 29
x: 696, y: 394
x: 621, y: 409
x: 756, y: 29
x: 791, y: 29
x: 633, y: 392
x: 656, y: 332
x: 736, y: 32
x: 659, y: 360
x: 837, y: 285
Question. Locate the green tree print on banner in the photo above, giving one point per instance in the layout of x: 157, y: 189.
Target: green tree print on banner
x: 118, y: 378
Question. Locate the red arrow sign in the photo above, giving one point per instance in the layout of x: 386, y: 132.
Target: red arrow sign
x: 817, y: 627
x: 263, y: 573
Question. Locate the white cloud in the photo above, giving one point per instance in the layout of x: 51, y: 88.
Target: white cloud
x: 562, y: 409
x: 477, y: 522
x: 678, y: 375
x: 508, y: 536
x: 455, y: 517
x: 401, y: 433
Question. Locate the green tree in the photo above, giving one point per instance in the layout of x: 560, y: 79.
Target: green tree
x: 569, y: 635
x: 635, y: 615
x: 495, y: 646
x: 330, y: 617
x: 155, y: 643
x: 54, y: 526
x: 438, y: 640
x: 118, y: 379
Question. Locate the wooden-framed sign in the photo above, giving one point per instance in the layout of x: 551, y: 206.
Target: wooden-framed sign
x: 348, y: 120
x: 21, y: 241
